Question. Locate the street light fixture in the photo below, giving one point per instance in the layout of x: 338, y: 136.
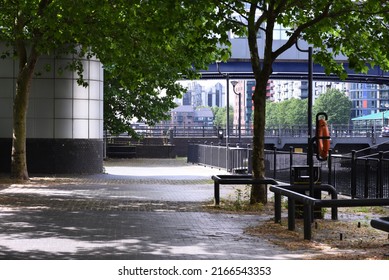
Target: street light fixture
x: 234, y: 83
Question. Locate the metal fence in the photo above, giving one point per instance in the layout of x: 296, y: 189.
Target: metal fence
x: 364, y: 176
x: 233, y: 159
x: 199, y: 130
x: 358, y: 177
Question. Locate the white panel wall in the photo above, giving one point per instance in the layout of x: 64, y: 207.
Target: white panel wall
x: 59, y: 107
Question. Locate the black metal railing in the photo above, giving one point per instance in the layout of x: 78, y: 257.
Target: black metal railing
x: 356, y: 176
x: 232, y: 158
x: 206, y: 130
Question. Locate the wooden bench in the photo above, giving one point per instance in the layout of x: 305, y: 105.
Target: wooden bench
x: 246, y: 179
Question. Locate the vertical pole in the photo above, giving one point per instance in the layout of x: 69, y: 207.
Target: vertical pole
x: 239, y: 118
x: 291, y: 214
x: 228, y: 108
x: 227, y: 117
x: 367, y: 179
x: 249, y: 159
x: 274, y: 162
x: 353, y: 174
x: 291, y: 180
x: 277, y: 208
x: 310, y: 103
x: 380, y: 175
x: 217, y: 193
x: 308, y: 209
x: 329, y: 178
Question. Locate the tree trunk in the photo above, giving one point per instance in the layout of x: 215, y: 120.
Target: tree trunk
x: 262, y: 72
x: 20, y: 107
x: 259, y: 192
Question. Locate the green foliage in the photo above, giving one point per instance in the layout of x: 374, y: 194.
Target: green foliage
x: 145, y: 46
x: 357, y: 29
x: 295, y: 111
x: 220, y: 116
x: 335, y: 104
x: 286, y: 113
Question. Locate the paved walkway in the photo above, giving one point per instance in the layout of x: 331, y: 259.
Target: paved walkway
x: 138, y: 209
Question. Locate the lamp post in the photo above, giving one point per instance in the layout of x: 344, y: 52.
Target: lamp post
x: 234, y: 83
x: 310, y: 102
x: 227, y: 76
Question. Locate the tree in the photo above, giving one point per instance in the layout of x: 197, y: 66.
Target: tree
x: 145, y: 46
x: 286, y: 113
x: 272, y: 117
x: 296, y: 112
x: 358, y: 29
x: 220, y: 116
x: 335, y: 104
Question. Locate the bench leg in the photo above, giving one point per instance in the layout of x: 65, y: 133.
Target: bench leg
x: 217, y: 193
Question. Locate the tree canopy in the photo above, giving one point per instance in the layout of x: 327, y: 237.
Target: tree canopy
x: 293, y: 111
x: 220, y: 116
x: 286, y: 113
x: 357, y: 29
x: 145, y: 46
x: 335, y: 104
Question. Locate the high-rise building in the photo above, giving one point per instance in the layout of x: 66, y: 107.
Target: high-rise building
x: 199, y: 95
x: 368, y: 99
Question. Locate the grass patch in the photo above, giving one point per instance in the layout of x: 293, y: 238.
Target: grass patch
x: 239, y: 202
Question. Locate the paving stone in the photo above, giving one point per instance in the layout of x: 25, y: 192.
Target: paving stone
x: 127, y: 214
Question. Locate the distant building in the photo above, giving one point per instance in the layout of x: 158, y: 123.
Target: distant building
x: 182, y: 115
x: 186, y: 115
x: 187, y: 98
x: 368, y: 99
x: 198, y: 95
x: 203, y: 116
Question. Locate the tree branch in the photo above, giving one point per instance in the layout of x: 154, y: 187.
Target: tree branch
x: 296, y: 34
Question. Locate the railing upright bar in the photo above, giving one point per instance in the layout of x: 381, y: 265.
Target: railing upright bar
x: 329, y: 162
x: 380, y: 174
x: 274, y: 162
x: 367, y: 178
x: 353, y: 186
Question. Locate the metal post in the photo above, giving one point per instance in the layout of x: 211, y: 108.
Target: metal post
x: 380, y: 174
x: 217, y: 193
x: 367, y: 177
x: 227, y: 75
x: 329, y: 178
x: 234, y: 83
x: 277, y: 207
x: 228, y: 109
x: 291, y: 214
x: 353, y: 174
x: 274, y: 162
x: 291, y: 180
x: 227, y: 118
x: 308, y: 210
x: 310, y: 102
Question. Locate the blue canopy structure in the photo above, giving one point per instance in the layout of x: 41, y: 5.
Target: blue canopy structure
x: 372, y: 117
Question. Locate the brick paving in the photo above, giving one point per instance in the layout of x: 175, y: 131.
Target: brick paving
x: 138, y: 209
